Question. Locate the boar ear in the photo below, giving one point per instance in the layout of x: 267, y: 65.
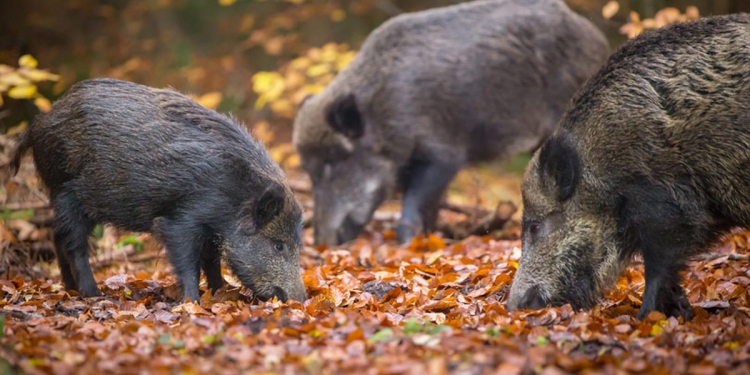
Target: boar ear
x: 269, y: 205
x: 559, y: 161
x: 344, y: 117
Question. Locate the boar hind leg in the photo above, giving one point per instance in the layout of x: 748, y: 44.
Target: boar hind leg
x: 665, y: 225
x: 184, y: 240
x: 211, y: 263
x: 71, y: 236
x: 425, y: 185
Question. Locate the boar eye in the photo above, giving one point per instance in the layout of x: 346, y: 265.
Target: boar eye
x: 279, y: 246
x: 538, y: 229
x: 534, y: 228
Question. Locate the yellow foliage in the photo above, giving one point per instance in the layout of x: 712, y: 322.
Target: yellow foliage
x: 20, y: 83
x: 23, y: 92
x: 42, y: 103
x: 318, y: 70
x: 262, y: 131
x: 285, y: 155
x: 38, y: 75
x: 18, y: 129
x: 344, y: 60
x: 28, y: 61
x: 210, y: 100
x: 226, y: 3
x: 293, y: 161
x: 664, y: 17
x: 306, y: 75
x: 269, y: 85
x: 282, y: 106
x: 338, y: 15
x: 610, y: 9
x: 656, y: 330
x: 731, y: 345
x: 14, y: 79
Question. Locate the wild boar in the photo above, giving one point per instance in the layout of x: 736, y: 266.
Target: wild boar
x: 432, y: 91
x: 151, y: 160
x: 651, y: 158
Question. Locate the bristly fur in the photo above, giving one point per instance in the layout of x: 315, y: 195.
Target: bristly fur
x: 152, y: 160
x: 661, y: 137
x: 430, y: 92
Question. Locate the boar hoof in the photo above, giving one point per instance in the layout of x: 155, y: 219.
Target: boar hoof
x: 89, y: 292
x: 405, y: 232
x: 678, y: 306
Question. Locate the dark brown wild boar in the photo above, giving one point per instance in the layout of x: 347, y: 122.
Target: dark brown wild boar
x: 151, y: 160
x: 652, y: 157
x: 432, y: 91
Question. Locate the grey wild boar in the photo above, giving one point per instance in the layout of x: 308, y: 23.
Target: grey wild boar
x: 432, y: 91
x: 651, y: 158
x: 151, y: 160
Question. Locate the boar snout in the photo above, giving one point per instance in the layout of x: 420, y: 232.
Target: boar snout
x: 532, y: 299
x: 283, y: 296
x: 284, y: 293
x: 296, y: 291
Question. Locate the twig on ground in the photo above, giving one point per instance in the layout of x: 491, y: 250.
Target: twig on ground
x: 128, y: 254
x: 495, y: 220
x: 26, y: 205
x: 18, y: 314
x: 43, y: 218
x: 714, y: 256
x: 487, y: 223
x: 470, y: 211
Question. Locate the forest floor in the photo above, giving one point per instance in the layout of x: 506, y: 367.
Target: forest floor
x: 434, y: 307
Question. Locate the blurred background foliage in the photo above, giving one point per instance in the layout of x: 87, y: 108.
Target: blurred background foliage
x: 255, y: 58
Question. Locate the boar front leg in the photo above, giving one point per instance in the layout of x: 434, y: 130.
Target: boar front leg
x: 665, y: 225
x: 423, y: 189
x: 211, y: 263
x: 184, y: 240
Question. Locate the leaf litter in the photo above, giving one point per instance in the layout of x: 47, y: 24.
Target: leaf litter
x: 432, y: 307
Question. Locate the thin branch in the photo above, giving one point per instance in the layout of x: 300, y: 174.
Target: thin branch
x: 714, y: 256
x: 26, y: 205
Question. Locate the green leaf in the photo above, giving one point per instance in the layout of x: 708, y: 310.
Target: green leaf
x: 210, y: 339
x: 412, y: 326
x: 6, y: 368
x: 2, y: 326
x: 493, y: 332
x: 132, y: 240
x: 164, y: 339
x: 17, y: 215
x: 434, y: 330
x: 37, y: 362
x: 541, y: 340
x: 315, y: 333
x: 99, y: 231
x: 383, y: 335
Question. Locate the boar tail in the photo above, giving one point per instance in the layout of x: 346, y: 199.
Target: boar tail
x: 24, y: 143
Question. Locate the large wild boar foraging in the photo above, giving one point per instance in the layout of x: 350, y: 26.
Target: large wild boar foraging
x: 432, y: 91
x: 153, y: 160
x: 652, y: 157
